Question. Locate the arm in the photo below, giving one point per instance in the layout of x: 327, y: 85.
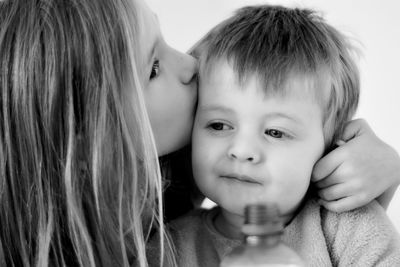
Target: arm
x: 360, y: 169
x: 387, y: 196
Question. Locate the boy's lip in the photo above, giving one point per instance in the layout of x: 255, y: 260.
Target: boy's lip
x: 241, y: 178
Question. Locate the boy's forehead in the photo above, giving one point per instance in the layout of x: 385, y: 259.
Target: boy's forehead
x: 307, y: 85
x: 298, y: 84
x: 213, y: 68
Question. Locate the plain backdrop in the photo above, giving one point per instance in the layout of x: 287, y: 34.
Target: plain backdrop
x: 376, y: 25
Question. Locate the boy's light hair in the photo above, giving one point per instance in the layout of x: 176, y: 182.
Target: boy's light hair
x: 275, y: 43
x: 79, y: 175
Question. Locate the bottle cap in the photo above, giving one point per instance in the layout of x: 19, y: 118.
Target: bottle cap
x: 262, y: 219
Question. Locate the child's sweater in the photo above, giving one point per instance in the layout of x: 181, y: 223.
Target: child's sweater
x: 363, y: 237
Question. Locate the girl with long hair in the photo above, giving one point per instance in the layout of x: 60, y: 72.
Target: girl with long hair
x: 79, y: 176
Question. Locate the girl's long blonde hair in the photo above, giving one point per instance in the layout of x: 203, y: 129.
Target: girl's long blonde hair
x: 79, y: 176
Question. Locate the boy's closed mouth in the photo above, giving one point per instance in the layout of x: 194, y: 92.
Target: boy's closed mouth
x: 240, y: 177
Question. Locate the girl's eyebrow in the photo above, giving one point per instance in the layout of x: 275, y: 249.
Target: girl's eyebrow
x: 151, y: 54
x: 153, y: 48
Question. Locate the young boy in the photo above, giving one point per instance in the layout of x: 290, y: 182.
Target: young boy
x: 276, y: 88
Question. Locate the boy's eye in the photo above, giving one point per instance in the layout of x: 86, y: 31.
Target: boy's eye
x: 219, y: 126
x: 274, y: 133
x: 155, y: 69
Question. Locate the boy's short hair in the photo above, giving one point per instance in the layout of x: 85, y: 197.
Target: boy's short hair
x: 274, y: 43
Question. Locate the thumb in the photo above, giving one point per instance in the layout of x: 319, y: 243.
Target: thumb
x: 355, y: 128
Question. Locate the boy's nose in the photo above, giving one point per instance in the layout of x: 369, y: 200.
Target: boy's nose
x: 244, y: 153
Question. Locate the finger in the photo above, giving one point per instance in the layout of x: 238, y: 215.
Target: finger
x: 335, y: 192
x: 342, y: 205
x: 327, y: 164
x: 354, y: 128
x: 328, y: 181
x: 338, y: 176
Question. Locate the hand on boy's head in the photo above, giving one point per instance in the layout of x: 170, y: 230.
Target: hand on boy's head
x: 358, y: 171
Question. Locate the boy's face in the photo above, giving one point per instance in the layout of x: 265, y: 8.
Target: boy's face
x: 252, y: 148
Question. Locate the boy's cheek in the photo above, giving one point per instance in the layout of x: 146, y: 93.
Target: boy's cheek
x: 201, y: 146
x: 206, y: 153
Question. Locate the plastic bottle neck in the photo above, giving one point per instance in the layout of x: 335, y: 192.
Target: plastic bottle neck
x: 265, y: 240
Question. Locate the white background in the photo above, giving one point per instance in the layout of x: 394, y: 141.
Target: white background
x: 376, y: 24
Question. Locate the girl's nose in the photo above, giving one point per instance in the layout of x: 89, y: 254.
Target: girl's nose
x: 188, y: 68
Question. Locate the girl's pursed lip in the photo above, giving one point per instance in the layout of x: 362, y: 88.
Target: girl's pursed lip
x: 241, y: 177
